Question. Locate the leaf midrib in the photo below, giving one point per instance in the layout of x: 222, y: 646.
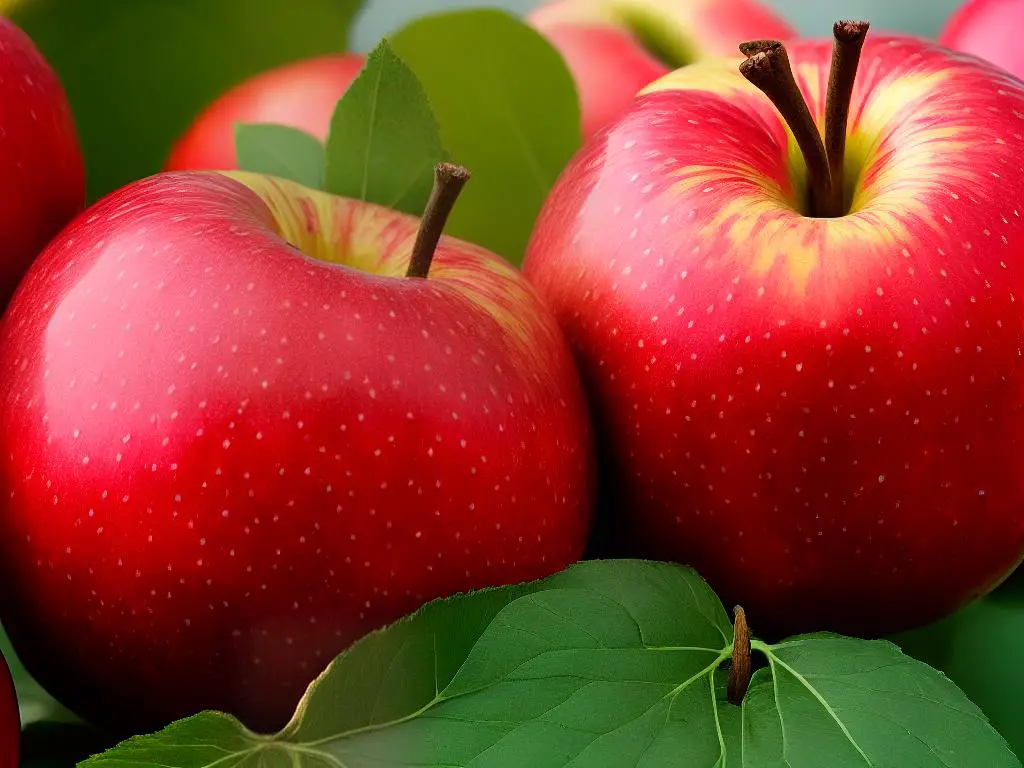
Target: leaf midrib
x: 720, y: 656
x: 371, y: 128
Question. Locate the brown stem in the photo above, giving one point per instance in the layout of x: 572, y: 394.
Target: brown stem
x: 449, y: 179
x: 846, y: 47
x: 767, y: 67
x: 751, y: 47
x: 740, y: 669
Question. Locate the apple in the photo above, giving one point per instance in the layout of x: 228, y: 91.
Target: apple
x: 989, y: 29
x: 10, y: 720
x: 40, y: 157
x: 820, y: 413
x: 300, y: 94
x: 237, y: 436
x: 614, y: 48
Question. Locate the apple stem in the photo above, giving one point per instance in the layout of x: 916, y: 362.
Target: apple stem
x: 767, y: 67
x: 751, y: 47
x: 741, y: 668
x: 449, y: 179
x: 848, y: 42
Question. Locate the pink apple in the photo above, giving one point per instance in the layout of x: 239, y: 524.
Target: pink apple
x: 614, y: 48
x: 821, y: 414
x: 10, y: 720
x: 301, y: 95
x: 41, y: 166
x: 237, y: 437
x: 990, y: 29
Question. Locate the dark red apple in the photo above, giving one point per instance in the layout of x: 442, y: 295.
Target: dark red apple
x: 42, y: 176
x: 236, y: 437
x: 817, y: 404
x: 616, y: 47
x: 10, y: 720
x: 301, y: 95
x: 990, y: 29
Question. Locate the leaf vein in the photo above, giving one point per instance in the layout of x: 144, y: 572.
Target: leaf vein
x: 773, y: 659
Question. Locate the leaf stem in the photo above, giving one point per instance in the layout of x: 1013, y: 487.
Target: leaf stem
x: 740, y: 670
x: 846, y: 47
x: 449, y: 179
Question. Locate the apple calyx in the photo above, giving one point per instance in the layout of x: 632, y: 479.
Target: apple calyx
x: 741, y: 668
x: 449, y: 179
x: 767, y: 67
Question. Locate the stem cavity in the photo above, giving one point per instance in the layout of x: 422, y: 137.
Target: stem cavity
x: 449, y: 179
x: 848, y: 42
x: 741, y: 668
x: 768, y: 68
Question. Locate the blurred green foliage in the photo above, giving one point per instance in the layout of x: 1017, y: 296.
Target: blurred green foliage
x: 137, y: 73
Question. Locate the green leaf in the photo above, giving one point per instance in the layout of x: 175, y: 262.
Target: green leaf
x: 279, y: 150
x: 981, y: 650
x: 36, y: 704
x: 52, y: 737
x: 761, y: 738
x: 609, y: 664
x: 384, y: 141
x: 863, y: 703
x: 508, y: 111
x: 137, y: 73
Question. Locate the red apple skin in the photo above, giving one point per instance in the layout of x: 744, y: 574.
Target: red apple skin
x: 601, y: 42
x: 989, y: 29
x: 822, y: 416
x: 224, y: 460
x: 41, y: 161
x: 10, y: 720
x: 301, y: 95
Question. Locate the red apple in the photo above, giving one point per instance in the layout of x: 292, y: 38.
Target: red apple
x: 301, y: 95
x: 236, y: 437
x: 822, y: 414
x: 41, y: 166
x: 614, y: 48
x: 990, y: 29
x: 10, y: 720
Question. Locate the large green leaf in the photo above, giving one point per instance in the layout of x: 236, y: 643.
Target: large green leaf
x: 863, y: 703
x: 508, y: 112
x: 981, y: 649
x: 609, y: 664
x: 384, y: 140
x: 282, y: 151
x: 138, y: 72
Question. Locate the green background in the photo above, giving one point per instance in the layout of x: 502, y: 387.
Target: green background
x: 922, y: 17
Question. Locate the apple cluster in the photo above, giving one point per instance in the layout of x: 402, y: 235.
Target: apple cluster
x: 769, y: 324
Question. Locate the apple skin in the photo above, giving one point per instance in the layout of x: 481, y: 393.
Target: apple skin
x: 224, y: 460
x: 10, y: 720
x: 989, y: 29
x: 603, y: 43
x: 822, y: 416
x: 40, y: 157
x: 301, y: 95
